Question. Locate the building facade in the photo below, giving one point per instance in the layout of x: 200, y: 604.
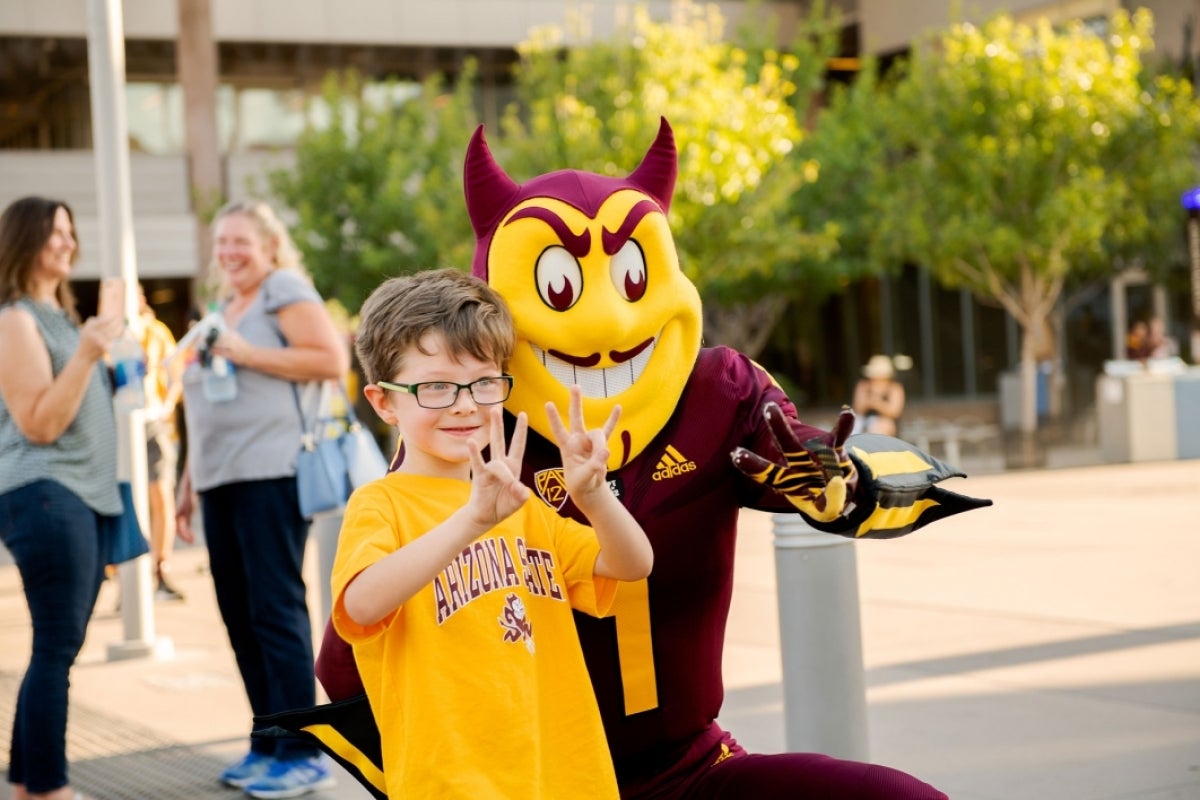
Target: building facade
x: 274, y: 54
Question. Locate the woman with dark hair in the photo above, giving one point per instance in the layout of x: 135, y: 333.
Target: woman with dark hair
x: 58, y: 473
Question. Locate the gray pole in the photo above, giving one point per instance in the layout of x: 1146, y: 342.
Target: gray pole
x: 324, y: 531
x: 106, y: 69
x: 820, y: 637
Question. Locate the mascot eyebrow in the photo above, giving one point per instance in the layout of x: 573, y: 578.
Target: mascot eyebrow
x: 614, y: 241
x: 577, y: 245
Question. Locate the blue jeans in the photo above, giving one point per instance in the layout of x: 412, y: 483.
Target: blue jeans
x: 256, y: 540
x: 54, y: 539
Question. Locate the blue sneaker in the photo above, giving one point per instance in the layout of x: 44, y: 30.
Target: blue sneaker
x: 292, y: 779
x: 248, y: 770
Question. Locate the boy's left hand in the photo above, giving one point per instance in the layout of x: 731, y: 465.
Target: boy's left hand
x: 584, y: 452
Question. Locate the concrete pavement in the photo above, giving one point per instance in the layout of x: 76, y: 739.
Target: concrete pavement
x: 1048, y: 647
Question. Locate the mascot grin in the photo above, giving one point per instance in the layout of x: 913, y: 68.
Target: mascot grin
x: 588, y: 262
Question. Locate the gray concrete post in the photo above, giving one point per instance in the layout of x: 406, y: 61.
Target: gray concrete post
x: 110, y: 134
x: 137, y: 607
x: 324, y: 531
x: 820, y: 638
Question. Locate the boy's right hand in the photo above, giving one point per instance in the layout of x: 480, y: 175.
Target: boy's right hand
x: 496, y: 488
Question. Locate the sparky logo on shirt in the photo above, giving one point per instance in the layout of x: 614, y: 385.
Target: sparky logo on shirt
x: 672, y: 464
x: 516, y: 624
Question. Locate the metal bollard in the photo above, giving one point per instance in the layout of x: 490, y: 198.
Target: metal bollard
x: 824, y: 690
x: 324, y: 531
x: 137, y: 593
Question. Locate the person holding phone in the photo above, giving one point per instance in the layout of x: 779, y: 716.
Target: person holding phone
x: 59, y: 501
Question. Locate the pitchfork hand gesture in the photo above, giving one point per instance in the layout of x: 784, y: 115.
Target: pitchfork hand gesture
x: 584, y: 452
x: 496, y: 488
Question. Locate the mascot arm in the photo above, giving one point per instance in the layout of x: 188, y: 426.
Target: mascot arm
x: 897, y: 490
x: 866, y: 486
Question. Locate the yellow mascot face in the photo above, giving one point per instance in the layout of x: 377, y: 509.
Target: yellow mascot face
x: 590, y: 272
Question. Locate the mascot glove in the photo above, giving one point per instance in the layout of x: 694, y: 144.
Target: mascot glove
x: 817, y: 477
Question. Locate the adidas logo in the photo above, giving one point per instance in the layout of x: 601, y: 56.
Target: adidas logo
x: 671, y: 464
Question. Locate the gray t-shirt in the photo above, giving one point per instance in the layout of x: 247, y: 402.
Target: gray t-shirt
x: 84, y: 457
x: 256, y: 435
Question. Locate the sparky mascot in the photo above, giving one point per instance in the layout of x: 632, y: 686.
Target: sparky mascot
x: 589, y: 269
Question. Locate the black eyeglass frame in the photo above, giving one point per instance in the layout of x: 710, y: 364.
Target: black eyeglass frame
x: 414, y: 389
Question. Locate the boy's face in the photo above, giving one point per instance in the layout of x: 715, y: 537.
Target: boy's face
x: 435, y: 439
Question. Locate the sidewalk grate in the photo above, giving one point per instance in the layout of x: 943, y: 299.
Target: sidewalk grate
x: 113, y: 760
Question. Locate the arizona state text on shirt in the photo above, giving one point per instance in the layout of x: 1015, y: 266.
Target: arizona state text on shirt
x: 487, y: 565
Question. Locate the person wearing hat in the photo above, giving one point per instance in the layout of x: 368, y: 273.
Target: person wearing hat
x: 879, y: 397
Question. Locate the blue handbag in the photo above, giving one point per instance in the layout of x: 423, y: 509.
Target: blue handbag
x: 322, y: 479
x: 123, y: 540
x: 336, y: 456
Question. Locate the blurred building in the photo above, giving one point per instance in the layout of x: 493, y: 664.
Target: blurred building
x: 272, y: 56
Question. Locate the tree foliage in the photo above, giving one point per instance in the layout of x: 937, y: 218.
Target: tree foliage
x: 595, y: 105
x: 377, y: 187
x: 844, y: 156
x: 1020, y: 155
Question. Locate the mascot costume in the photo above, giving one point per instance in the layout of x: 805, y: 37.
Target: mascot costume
x: 589, y: 269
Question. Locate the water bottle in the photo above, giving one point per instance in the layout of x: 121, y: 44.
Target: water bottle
x: 220, y: 380
x: 129, y: 371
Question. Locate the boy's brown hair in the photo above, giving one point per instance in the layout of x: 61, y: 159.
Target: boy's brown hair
x: 470, y: 316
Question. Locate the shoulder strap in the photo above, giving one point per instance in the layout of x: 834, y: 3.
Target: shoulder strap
x: 309, y: 430
x: 311, y: 425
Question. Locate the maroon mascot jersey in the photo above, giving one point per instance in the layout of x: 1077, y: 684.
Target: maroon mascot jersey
x: 656, y: 664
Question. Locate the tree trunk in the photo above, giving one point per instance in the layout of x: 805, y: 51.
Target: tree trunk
x: 1028, y: 380
x: 196, y: 62
x: 746, y: 327
x: 1026, y: 451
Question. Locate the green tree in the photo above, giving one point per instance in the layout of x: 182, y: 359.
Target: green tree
x: 595, y: 105
x: 1019, y: 156
x: 843, y: 157
x: 377, y: 186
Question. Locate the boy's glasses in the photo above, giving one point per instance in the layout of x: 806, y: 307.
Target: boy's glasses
x: 443, y: 394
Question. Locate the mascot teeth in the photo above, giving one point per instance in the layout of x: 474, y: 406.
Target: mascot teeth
x: 596, y: 381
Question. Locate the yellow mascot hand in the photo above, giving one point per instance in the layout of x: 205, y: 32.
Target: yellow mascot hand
x: 817, y: 477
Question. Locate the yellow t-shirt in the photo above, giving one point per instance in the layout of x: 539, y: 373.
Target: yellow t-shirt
x: 478, y: 682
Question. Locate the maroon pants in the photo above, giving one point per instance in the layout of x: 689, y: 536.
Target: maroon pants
x: 335, y: 666
x: 715, y: 767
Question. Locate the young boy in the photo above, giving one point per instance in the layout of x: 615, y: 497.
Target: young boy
x: 453, y: 583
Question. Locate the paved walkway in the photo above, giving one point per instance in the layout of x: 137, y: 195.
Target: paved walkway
x: 1047, y: 648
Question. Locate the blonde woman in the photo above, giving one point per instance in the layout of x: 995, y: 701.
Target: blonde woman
x: 242, y: 465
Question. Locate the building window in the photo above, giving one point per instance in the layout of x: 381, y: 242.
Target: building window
x: 154, y: 113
